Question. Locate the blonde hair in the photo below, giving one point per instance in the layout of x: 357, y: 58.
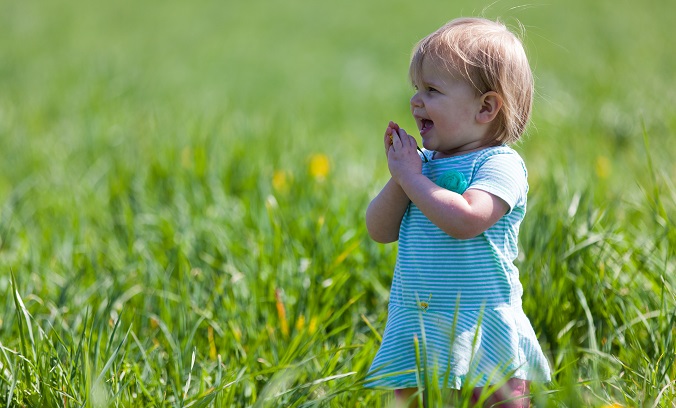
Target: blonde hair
x: 490, y: 58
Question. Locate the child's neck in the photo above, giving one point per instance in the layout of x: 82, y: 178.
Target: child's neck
x: 442, y: 155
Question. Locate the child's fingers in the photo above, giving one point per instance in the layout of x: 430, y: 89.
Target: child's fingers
x: 389, y: 132
x: 397, y: 141
x: 392, y: 127
x: 396, y: 137
x: 412, y: 142
x: 403, y: 136
x: 406, y: 139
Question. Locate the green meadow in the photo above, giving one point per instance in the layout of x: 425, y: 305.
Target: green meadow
x: 183, y: 188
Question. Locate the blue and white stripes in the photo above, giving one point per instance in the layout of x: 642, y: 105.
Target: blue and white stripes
x: 461, y: 298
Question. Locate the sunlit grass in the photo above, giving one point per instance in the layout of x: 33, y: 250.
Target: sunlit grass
x: 183, y: 185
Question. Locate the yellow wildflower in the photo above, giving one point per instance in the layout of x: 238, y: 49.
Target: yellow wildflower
x: 319, y: 166
x: 313, y: 325
x: 280, y: 181
x: 281, y: 313
x: 603, y: 167
x: 212, y: 343
x: 300, y: 323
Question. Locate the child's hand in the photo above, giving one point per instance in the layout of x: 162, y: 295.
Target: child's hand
x: 392, y: 127
x: 402, y: 154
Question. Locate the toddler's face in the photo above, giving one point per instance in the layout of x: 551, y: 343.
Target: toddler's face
x: 445, y: 108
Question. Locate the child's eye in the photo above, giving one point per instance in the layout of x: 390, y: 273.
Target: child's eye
x: 430, y: 89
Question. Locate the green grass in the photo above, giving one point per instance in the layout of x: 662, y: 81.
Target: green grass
x: 164, y: 240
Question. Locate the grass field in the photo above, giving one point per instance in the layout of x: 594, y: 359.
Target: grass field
x: 182, y: 190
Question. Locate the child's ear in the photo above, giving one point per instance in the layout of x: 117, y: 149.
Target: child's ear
x: 491, y: 103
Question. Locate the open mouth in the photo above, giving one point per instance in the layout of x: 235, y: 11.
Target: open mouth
x: 425, y: 126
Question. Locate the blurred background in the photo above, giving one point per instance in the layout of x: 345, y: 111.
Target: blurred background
x: 336, y: 71
x: 195, y: 174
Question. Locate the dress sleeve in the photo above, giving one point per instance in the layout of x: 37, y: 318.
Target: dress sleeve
x: 503, y: 175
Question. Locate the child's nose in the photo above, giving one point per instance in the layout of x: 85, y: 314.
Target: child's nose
x: 416, y: 101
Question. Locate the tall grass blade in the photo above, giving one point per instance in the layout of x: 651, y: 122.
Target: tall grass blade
x: 23, y: 317
x: 110, y: 361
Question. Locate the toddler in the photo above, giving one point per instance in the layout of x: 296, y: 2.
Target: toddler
x: 455, y: 313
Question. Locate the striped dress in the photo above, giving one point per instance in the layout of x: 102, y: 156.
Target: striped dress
x: 455, y: 310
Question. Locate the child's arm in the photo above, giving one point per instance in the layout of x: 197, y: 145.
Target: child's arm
x: 460, y: 216
x: 384, y: 213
